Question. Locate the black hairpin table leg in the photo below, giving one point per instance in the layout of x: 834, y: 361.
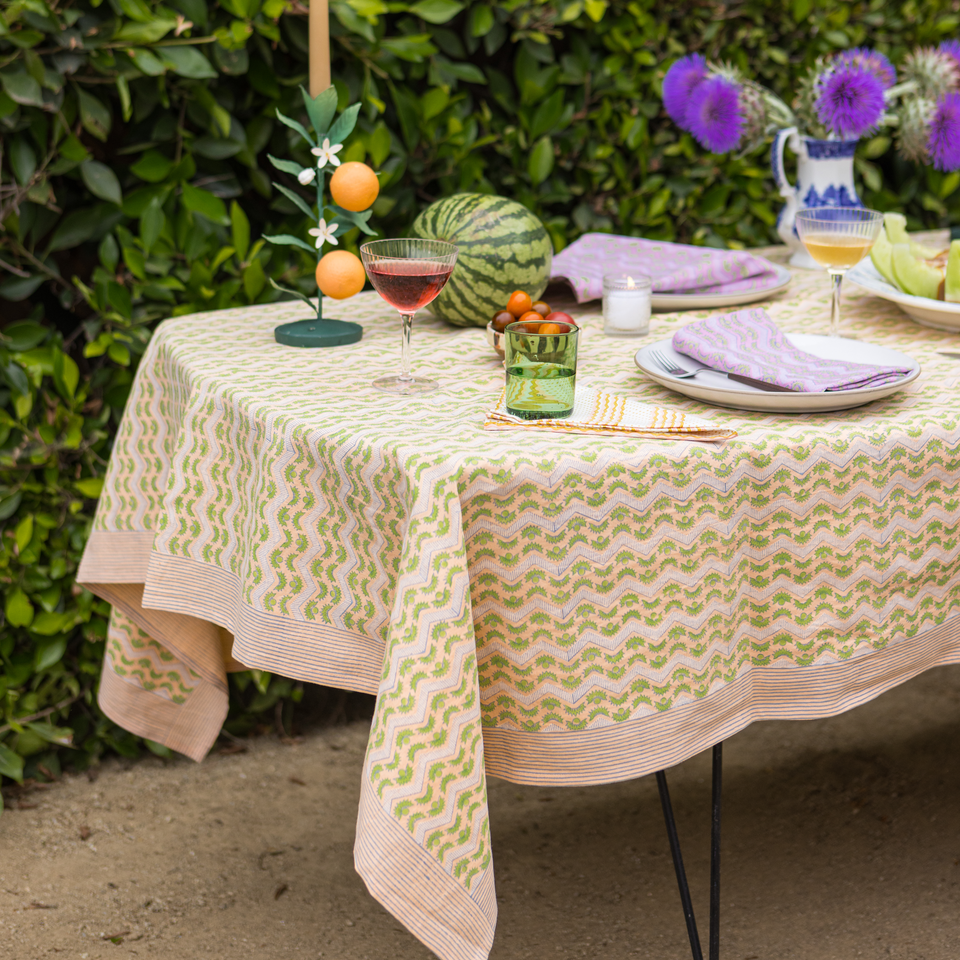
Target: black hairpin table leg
x: 678, y: 866
x: 715, y: 853
x: 685, y: 899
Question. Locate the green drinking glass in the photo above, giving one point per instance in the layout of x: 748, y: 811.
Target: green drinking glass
x: 541, y: 362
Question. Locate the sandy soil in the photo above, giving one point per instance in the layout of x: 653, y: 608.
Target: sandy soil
x: 842, y: 840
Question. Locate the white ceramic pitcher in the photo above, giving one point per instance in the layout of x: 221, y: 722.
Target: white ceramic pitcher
x: 824, y: 179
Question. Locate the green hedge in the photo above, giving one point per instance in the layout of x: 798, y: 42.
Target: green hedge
x: 135, y: 186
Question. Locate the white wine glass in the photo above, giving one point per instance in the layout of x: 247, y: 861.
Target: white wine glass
x: 838, y: 238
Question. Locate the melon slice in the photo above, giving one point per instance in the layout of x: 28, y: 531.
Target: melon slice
x: 881, y: 254
x: 915, y: 276
x: 895, y: 225
x: 952, y: 285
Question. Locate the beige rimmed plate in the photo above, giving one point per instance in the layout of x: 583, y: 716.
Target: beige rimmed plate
x: 707, y: 301
x: 713, y: 387
x: 931, y: 313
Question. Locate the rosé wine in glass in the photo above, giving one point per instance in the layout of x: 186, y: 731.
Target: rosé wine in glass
x: 408, y: 274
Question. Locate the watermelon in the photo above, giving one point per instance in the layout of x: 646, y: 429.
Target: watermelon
x: 503, y: 247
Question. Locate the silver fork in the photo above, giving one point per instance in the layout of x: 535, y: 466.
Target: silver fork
x: 662, y: 360
x: 681, y: 373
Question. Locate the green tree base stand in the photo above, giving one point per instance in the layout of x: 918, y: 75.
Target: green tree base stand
x: 318, y: 332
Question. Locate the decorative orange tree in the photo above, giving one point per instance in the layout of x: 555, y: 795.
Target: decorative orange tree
x: 353, y: 189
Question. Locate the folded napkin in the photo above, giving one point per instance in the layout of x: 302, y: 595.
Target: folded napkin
x: 748, y: 342
x: 602, y: 413
x: 673, y: 267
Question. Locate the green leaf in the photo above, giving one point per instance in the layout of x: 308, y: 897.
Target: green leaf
x: 344, y: 124
x: 153, y: 167
x: 101, y: 181
x: 22, y: 88
x: 18, y: 609
x: 205, y: 203
x: 467, y: 72
x: 357, y: 219
x: 481, y: 20
x: 94, y: 116
x: 287, y: 240
x: 62, y: 736
x: 240, y: 230
x: 159, y: 750
x: 145, y: 33
x: 16, y: 289
x: 151, y: 224
x: 8, y: 506
x: 89, y: 487
x: 146, y: 62
x: 320, y: 109
x: 22, y: 159
x: 126, y: 106
x: 72, y: 149
x: 436, y: 11
x: 413, y: 48
x: 287, y: 166
x: 15, y: 376
x: 23, y: 533
x: 540, y: 161
x: 293, y: 125
x: 595, y: 9
x: 254, y: 280
x: 548, y: 114
x: 378, y: 144
x: 66, y: 374
x: 294, y: 293
x: 11, y: 764
x: 299, y: 201
x: 187, y: 62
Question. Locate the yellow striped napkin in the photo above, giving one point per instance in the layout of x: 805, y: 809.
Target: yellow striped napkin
x: 609, y: 415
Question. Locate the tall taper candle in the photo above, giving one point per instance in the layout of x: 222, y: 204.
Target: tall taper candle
x: 319, y: 25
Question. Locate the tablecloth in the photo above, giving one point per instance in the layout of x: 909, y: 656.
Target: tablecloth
x: 555, y: 609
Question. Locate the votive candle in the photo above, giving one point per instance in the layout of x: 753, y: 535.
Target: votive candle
x: 626, y: 305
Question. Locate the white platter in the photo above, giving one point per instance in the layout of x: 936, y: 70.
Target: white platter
x: 707, y: 301
x: 931, y: 313
x: 714, y: 387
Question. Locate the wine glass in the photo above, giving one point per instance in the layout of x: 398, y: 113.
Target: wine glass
x: 838, y: 238
x: 408, y: 274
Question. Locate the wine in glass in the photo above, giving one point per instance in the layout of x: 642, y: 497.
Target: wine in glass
x: 838, y: 238
x: 408, y: 274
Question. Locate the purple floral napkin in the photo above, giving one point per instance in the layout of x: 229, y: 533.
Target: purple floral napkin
x: 749, y: 343
x: 673, y: 267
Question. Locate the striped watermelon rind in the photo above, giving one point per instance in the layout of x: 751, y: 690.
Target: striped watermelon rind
x: 503, y: 247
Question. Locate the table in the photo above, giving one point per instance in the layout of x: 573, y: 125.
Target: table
x: 549, y: 609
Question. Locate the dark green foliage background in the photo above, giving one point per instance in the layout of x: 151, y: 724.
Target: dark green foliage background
x: 135, y: 186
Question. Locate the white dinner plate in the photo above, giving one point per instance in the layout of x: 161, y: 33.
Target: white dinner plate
x: 714, y: 387
x: 931, y: 313
x: 707, y: 301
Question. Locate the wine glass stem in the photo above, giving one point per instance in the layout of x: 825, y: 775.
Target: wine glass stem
x: 407, y: 319
x: 837, y: 278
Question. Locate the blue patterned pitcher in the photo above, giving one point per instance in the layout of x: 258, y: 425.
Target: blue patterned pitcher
x: 824, y: 179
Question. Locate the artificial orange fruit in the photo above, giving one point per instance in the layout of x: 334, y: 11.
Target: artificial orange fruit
x: 354, y: 186
x: 519, y: 303
x: 340, y: 274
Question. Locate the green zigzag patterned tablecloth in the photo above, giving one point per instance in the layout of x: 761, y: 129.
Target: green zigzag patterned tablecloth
x: 549, y: 609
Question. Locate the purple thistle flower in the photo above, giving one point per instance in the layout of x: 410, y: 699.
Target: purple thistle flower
x: 679, y: 83
x: 714, y: 115
x: 952, y: 49
x: 873, y: 61
x: 944, y: 142
x: 850, y: 101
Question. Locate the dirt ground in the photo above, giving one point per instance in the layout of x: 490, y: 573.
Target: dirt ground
x: 842, y: 840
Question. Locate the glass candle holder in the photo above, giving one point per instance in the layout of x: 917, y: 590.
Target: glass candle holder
x: 626, y: 305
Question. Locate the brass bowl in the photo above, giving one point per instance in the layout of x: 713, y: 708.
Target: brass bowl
x: 496, y: 340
